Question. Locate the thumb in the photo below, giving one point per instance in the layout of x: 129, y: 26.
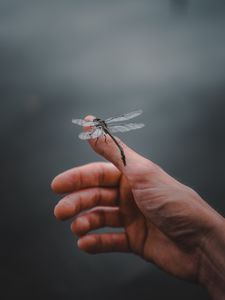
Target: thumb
x: 130, y: 163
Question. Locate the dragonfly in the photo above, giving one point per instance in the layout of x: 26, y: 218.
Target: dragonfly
x: 100, y: 127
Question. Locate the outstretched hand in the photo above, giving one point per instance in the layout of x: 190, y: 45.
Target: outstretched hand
x: 163, y: 221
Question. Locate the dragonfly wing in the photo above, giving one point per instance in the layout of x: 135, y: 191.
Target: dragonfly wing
x: 85, y: 135
x: 124, y: 117
x: 83, y: 122
x: 91, y: 134
x: 125, y: 127
x: 97, y: 132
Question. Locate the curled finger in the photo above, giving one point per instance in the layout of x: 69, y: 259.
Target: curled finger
x: 76, y: 202
x: 95, y: 219
x: 102, y: 243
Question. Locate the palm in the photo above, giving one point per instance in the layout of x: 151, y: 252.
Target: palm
x: 134, y: 223
x: 146, y: 240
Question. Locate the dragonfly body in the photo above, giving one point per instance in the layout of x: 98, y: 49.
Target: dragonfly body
x: 99, y: 127
x: 100, y: 123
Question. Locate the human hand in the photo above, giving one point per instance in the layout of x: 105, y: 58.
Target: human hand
x: 163, y: 221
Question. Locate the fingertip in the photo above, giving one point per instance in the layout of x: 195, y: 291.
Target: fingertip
x: 80, y: 226
x: 57, y: 184
x: 57, y: 212
x: 64, y: 210
x: 87, y: 243
x: 63, y: 182
x: 89, y: 118
x: 80, y: 243
x: 53, y: 185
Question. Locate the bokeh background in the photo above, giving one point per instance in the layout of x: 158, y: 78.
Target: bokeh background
x: 65, y: 59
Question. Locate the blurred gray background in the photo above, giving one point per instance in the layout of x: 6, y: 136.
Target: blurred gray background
x: 65, y: 59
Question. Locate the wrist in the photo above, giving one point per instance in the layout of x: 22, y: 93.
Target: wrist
x: 212, y: 266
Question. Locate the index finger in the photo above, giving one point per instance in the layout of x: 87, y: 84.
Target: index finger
x: 89, y: 175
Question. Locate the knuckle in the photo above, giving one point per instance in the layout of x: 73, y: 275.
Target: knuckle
x: 98, y: 196
x: 141, y: 173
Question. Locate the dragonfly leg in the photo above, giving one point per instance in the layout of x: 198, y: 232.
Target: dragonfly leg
x: 105, y: 138
x: 96, y: 141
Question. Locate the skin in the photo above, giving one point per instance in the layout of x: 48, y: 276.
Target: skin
x: 163, y: 221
